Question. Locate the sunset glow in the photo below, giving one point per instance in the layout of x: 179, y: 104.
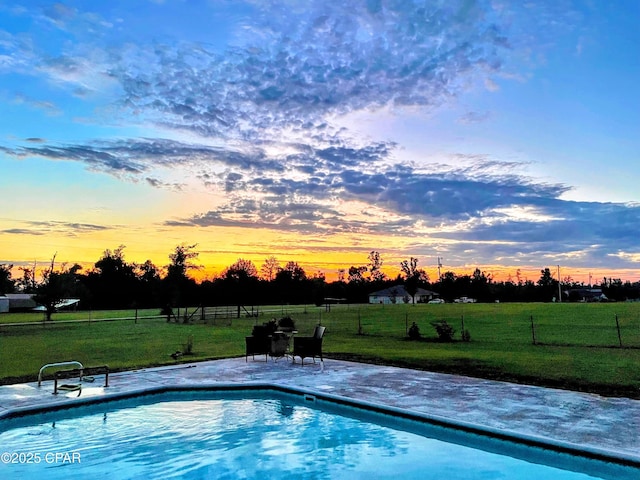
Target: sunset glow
x: 495, y: 135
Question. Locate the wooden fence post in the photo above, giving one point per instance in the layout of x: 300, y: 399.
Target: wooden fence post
x: 618, y: 328
x: 533, y: 330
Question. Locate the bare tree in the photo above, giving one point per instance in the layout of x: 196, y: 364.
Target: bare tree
x: 375, y: 265
x: 356, y: 274
x: 269, y: 268
x: 27, y: 284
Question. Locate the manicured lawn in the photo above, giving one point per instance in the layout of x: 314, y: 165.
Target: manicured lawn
x: 577, y: 344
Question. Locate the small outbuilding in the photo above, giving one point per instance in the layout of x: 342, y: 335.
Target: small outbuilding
x: 64, y: 304
x: 21, y: 302
x: 586, y: 295
x: 399, y: 294
x: 4, y: 304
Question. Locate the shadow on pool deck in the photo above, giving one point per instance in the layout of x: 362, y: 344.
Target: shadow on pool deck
x: 578, y: 418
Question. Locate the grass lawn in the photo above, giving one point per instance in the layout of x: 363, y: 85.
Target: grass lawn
x: 577, y: 345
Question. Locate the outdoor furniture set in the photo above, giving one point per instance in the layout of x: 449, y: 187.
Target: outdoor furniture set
x: 274, y: 339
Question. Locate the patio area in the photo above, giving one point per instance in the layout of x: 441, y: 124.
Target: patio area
x: 591, y: 421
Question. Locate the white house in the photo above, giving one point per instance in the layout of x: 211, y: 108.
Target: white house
x: 399, y: 294
x: 21, y: 302
x: 4, y: 304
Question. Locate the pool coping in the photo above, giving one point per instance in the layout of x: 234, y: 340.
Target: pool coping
x: 587, y: 452
x: 586, y: 422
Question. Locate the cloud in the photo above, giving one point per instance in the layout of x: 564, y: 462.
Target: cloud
x: 263, y: 112
x: 22, y: 231
x: 38, y: 228
x: 574, y: 233
x: 48, y: 107
x: 136, y: 156
x: 482, y: 203
x: 491, y: 85
x: 474, y: 117
x: 329, y: 58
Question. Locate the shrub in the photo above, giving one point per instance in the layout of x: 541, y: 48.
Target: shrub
x: 444, y: 330
x: 265, y: 329
x: 286, y: 323
x: 414, y: 332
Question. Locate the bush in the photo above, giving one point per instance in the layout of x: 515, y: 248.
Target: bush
x: 286, y: 324
x: 414, y: 332
x: 444, y: 330
x: 265, y: 329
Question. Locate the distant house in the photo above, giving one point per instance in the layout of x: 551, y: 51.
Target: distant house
x: 64, y: 304
x: 4, y: 304
x: 399, y: 294
x: 586, y: 295
x: 21, y: 302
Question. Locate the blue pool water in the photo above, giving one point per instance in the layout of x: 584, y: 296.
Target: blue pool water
x: 192, y: 436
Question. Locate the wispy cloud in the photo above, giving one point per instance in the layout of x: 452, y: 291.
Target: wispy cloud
x: 48, y: 107
x: 474, y: 117
x: 39, y: 228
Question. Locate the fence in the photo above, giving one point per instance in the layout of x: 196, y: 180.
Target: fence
x: 582, y: 325
x: 537, y: 324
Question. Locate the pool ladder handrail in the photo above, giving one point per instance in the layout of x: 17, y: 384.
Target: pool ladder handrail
x: 59, y: 364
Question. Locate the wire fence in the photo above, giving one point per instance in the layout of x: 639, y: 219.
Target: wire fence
x: 603, y: 328
x: 612, y: 325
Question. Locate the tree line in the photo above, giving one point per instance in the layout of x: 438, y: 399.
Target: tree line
x: 114, y: 283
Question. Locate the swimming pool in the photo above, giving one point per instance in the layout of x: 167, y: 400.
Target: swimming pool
x: 266, y: 434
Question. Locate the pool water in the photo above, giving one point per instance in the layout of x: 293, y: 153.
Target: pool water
x: 254, y: 438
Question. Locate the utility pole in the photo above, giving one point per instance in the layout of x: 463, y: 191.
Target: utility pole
x: 439, y: 267
x: 559, y: 288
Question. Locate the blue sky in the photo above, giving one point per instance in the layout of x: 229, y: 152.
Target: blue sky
x: 490, y: 133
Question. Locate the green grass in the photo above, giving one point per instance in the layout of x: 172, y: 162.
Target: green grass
x: 577, y: 344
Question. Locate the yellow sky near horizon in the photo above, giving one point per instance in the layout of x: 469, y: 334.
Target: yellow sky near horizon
x: 220, y: 247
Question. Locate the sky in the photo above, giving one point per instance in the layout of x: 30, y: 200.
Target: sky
x: 497, y: 134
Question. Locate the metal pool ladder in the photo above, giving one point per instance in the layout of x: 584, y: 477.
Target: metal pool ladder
x: 59, y: 364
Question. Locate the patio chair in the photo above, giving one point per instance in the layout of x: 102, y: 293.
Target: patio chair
x: 257, y: 346
x: 305, y: 347
x: 259, y: 343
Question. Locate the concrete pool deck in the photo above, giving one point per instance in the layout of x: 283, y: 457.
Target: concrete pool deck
x: 592, y: 421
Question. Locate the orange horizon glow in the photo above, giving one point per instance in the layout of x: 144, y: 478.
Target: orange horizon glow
x: 221, y: 247
x: 498, y: 273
